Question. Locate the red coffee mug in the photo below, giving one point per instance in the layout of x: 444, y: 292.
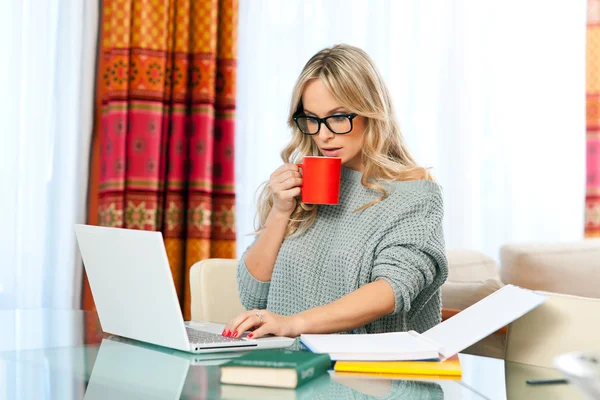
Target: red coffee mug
x: 321, y: 180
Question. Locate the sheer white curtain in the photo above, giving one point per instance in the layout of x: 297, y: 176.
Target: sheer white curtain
x: 46, y: 109
x: 490, y: 95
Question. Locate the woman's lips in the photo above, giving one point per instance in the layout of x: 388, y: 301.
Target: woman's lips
x: 331, y: 152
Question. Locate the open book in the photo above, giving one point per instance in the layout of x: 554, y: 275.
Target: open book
x: 440, y: 342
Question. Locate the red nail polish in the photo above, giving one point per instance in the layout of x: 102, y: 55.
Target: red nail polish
x: 235, y: 334
x: 228, y: 333
x: 223, y: 333
x: 250, y: 335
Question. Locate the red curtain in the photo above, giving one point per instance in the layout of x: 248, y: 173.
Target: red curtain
x: 164, y: 143
x: 592, y: 200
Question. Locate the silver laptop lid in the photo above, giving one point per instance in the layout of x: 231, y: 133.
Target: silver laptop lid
x: 132, y: 284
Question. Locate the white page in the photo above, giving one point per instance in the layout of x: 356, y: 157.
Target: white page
x: 483, y: 318
x: 380, y: 346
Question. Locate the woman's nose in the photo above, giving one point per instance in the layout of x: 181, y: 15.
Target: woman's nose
x: 325, y: 134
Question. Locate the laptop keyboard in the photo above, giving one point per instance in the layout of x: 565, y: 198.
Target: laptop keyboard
x: 203, y: 337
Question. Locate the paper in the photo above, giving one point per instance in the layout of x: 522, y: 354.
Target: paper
x: 483, y: 318
x: 374, y: 347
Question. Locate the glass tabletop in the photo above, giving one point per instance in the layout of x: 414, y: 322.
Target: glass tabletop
x: 63, y: 354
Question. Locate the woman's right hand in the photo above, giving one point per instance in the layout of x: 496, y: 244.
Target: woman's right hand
x: 285, y: 183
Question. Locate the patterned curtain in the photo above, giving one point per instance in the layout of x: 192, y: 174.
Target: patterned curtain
x: 165, y: 137
x: 592, y: 222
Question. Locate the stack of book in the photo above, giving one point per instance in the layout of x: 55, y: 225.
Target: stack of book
x: 399, y: 355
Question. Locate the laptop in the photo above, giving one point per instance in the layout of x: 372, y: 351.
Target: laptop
x: 135, y: 295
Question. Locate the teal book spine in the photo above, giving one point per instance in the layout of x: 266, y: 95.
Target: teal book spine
x: 314, y: 368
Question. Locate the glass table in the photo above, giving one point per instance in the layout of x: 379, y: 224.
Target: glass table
x: 63, y: 354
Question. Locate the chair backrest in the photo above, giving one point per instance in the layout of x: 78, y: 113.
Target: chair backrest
x: 214, y: 290
x: 563, y: 323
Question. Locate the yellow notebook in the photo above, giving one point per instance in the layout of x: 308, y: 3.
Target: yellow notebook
x: 449, y: 367
x: 353, y: 376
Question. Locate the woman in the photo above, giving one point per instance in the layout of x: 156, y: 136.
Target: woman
x: 373, y: 263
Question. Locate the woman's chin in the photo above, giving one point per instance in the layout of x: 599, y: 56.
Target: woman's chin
x: 352, y: 163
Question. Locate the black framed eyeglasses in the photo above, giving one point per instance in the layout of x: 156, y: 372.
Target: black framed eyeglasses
x: 338, y: 123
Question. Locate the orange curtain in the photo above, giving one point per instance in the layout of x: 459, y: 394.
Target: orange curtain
x: 163, y: 147
x: 592, y: 201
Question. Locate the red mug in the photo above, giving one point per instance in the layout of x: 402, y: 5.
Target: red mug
x: 321, y: 180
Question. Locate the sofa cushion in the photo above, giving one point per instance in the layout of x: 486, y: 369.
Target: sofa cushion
x: 568, y: 268
x: 470, y: 266
x: 460, y: 295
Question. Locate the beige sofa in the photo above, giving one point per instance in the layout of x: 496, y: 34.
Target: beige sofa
x: 568, y: 268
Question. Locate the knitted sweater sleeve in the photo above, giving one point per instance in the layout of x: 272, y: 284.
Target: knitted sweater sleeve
x: 411, y: 254
x: 253, y: 293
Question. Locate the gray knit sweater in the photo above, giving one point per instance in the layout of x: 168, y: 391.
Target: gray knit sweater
x: 399, y: 239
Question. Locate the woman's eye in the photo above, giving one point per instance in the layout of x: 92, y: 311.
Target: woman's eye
x: 339, y: 118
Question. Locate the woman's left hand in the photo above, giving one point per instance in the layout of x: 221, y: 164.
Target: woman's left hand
x: 263, y: 322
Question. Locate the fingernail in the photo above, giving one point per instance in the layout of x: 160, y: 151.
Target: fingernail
x: 235, y: 334
x: 223, y: 333
x: 250, y: 335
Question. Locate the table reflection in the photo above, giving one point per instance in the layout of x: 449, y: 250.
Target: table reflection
x: 129, y: 370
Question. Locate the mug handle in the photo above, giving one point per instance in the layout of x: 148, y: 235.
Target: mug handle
x: 302, y: 168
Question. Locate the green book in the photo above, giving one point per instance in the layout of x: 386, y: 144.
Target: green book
x: 275, y: 368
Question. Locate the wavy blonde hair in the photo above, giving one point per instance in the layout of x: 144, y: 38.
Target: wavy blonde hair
x: 353, y: 80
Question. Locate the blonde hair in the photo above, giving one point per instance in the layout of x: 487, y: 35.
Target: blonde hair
x: 353, y: 80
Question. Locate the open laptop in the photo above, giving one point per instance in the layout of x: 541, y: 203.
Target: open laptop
x: 135, y: 296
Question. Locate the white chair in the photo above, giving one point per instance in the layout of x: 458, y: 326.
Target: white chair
x: 214, y: 291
